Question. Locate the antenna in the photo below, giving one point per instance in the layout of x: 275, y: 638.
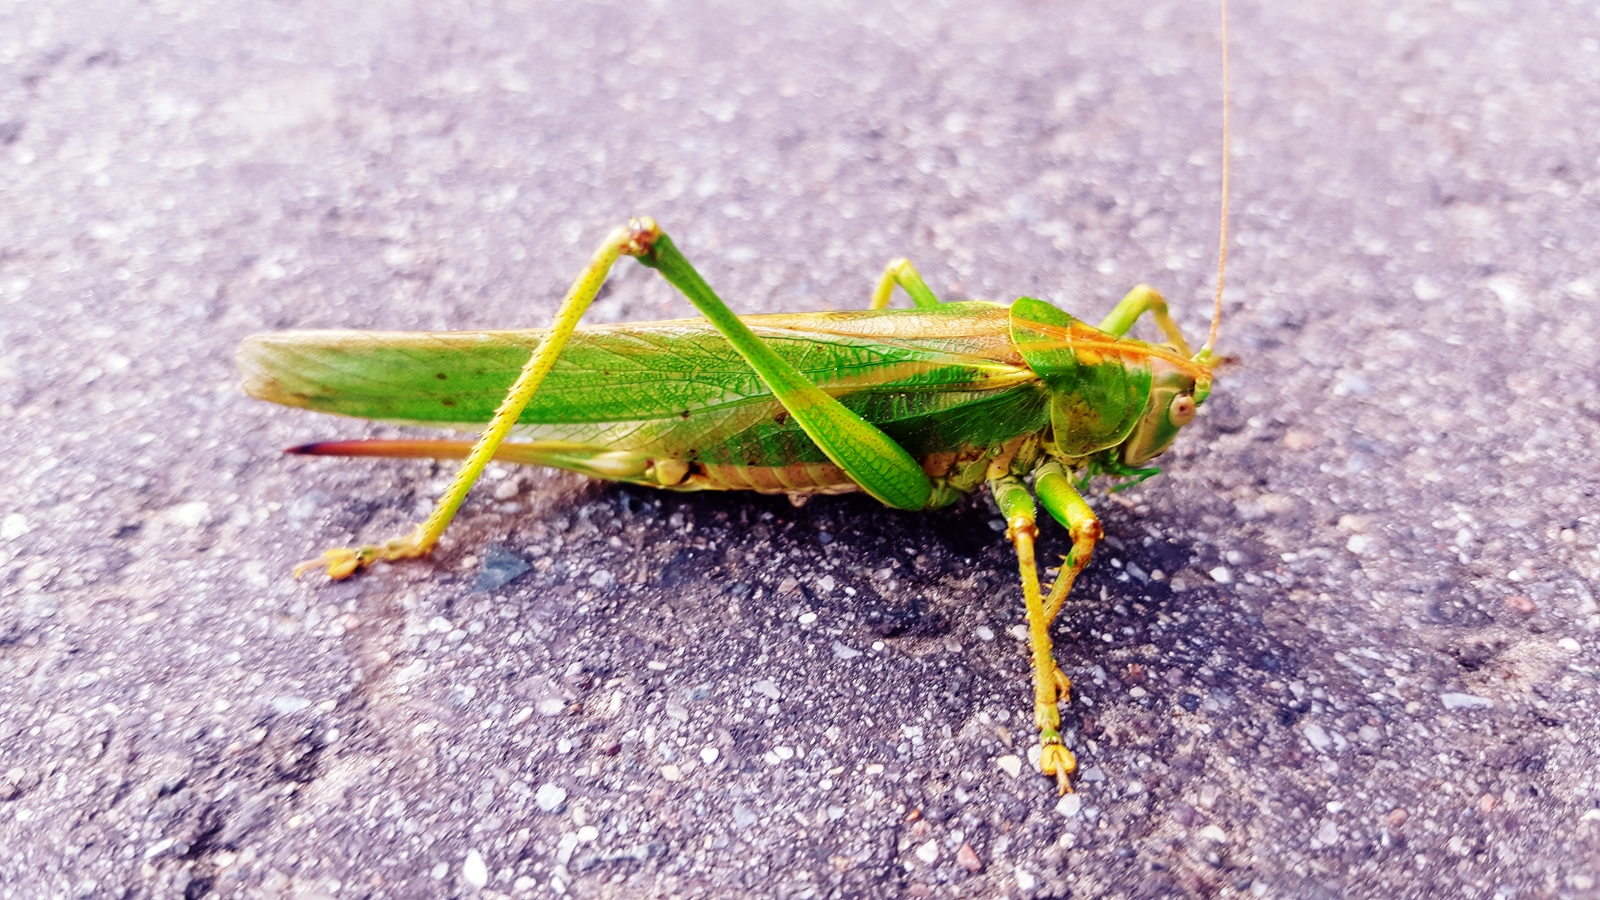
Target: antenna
x: 1227, y: 165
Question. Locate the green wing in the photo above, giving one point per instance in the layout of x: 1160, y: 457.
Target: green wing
x: 933, y: 379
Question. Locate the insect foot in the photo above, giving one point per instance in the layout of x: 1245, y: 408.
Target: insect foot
x: 1057, y: 760
x: 342, y: 562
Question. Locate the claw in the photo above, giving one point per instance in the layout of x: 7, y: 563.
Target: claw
x: 1063, y: 686
x: 1054, y: 759
x: 342, y: 562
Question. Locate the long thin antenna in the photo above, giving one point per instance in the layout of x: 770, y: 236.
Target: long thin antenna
x: 1227, y: 166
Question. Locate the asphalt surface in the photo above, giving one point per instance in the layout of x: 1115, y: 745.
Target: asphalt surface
x: 1369, y: 666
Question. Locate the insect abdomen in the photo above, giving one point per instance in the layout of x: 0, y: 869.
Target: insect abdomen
x: 799, y: 478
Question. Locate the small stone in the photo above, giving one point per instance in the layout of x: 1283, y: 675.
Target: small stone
x: 550, y: 706
x: 788, y: 584
x: 1570, y: 645
x: 967, y: 858
x: 840, y: 651
x: 671, y: 773
x: 524, y: 883
x: 1069, y: 805
x: 1328, y: 834
x: 1020, y: 632
x: 1221, y: 575
x: 1214, y: 834
x: 1136, y: 692
x: 767, y: 688
x: 603, y: 579
x: 1465, y: 701
x: 874, y: 769
x: 1025, y: 881
x: 475, y: 871
x: 1397, y: 817
x: 709, y: 755
x: 550, y: 797
x: 285, y: 706
x: 1359, y: 544
x: 1522, y: 604
x: 1318, y: 737
x: 1295, y: 439
x: 929, y: 852
x: 188, y: 515
x: 985, y: 633
x: 1010, y: 765
x: 587, y: 834
x: 568, y: 843
x: 743, y: 817
x: 1486, y: 804
x: 807, y: 618
x: 13, y: 526
x: 500, y: 567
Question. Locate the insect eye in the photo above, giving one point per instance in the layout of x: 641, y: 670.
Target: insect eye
x: 1181, y: 412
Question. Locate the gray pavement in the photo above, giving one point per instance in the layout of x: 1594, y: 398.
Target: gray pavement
x: 1368, y: 668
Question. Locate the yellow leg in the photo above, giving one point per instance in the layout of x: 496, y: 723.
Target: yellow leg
x: 901, y: 272
x: 1050, y: 684
x: 341, y: 562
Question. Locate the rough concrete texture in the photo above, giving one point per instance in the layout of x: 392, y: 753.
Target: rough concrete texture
x: 1367, y: 667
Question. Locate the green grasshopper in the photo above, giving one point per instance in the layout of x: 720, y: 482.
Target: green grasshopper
x: 916, y: 407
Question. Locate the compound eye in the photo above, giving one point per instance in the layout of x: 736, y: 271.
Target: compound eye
x: 1181, y: 412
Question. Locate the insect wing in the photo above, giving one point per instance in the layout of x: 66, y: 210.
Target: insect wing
x: 1099, y: 384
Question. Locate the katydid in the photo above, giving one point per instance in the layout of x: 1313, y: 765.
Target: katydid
x: 916, y: 407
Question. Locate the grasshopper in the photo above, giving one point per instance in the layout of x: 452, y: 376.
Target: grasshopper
x: 915, y: 407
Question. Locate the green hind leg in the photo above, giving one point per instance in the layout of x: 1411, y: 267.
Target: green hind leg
x: 880, y: 466
x: 342, y: 562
